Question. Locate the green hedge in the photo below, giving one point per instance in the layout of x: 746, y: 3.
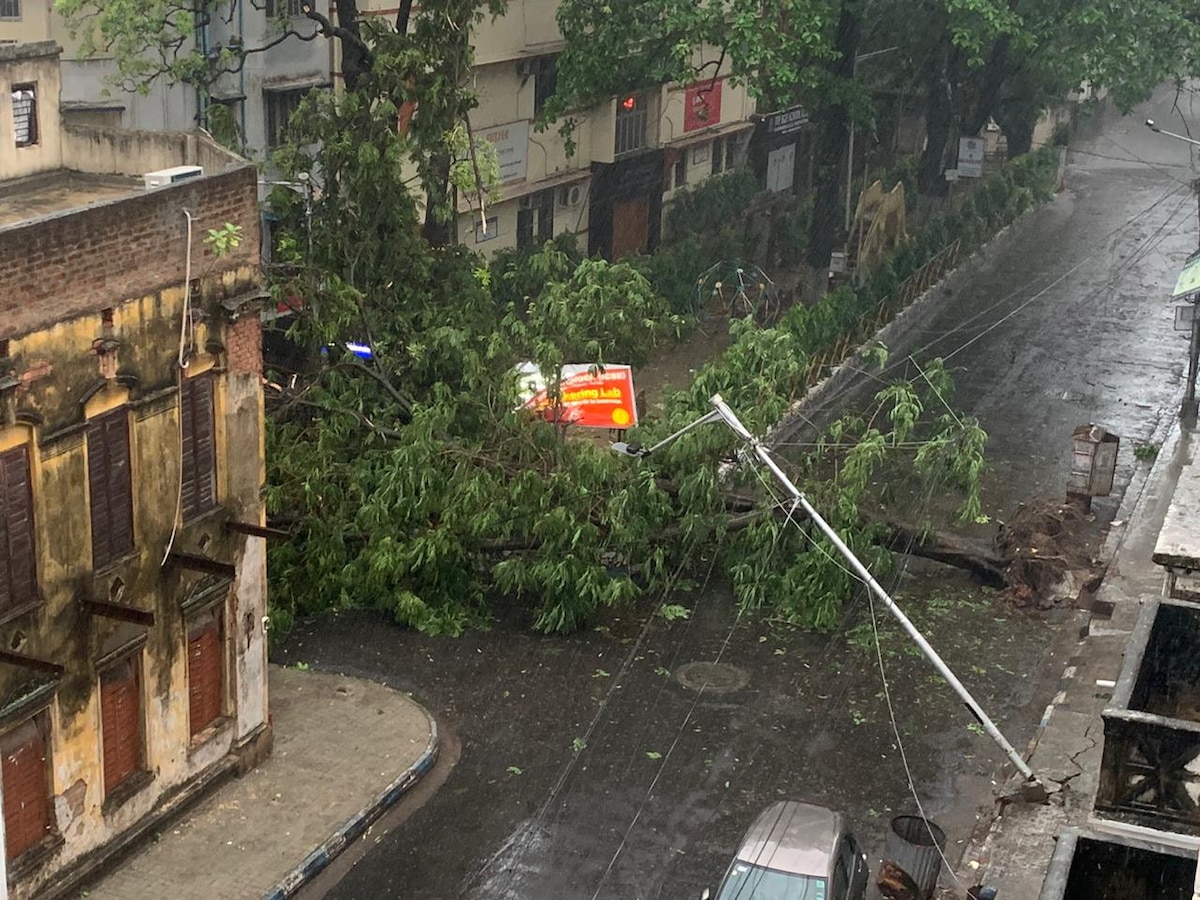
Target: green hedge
x: 765, y: 368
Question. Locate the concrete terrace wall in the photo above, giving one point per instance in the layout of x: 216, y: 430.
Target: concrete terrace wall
x: 109, y: 151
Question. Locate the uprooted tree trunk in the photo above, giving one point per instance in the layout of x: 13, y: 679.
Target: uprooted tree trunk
x: 978, y: 558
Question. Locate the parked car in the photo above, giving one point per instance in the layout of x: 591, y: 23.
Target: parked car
x: 796, y: 851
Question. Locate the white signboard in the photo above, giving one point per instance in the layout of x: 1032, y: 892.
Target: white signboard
x: 781, y: 168
x: 511, y: 143
x: 970, y: 157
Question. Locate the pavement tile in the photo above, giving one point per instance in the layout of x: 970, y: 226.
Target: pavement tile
x: 1014, y: 853
x: 340, y: 742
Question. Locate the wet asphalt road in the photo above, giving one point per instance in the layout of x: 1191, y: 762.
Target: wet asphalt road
x: 588, y: 771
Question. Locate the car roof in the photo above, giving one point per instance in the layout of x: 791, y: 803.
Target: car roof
x: 795, y: 837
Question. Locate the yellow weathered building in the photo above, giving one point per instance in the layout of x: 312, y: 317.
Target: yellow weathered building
x: 132, y: 566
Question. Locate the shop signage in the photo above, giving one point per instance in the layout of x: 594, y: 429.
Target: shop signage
x: 590, y: 398
x: 511, y: 143
x: 702, y: 105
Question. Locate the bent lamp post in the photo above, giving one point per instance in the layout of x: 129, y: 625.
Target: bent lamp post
x: 722, y: 412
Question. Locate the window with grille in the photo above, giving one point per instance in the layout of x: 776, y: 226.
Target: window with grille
x: 281, y: 105
x: 545, y: 81
x: 24, y: 110
x: 24, y: 753
x: 535, y: 220
x: 121, y: 722
x: 630, y: 124
x: 285, y: 7
x: 110, y: 487
x: 197, y: 425
x: 10, y: 9
x: 18, y: 568
x: 206, y: 665
x: 681, y: 169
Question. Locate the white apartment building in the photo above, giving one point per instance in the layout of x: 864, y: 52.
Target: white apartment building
x: 259, y: 98
x: 631, y: 154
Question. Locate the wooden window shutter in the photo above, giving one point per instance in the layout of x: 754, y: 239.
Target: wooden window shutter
x: 197, y: 421
x: 110, y: 486
x: 204, y: 674
x: 26, y: 792
x: 121, y: 722
x: 18, y: 567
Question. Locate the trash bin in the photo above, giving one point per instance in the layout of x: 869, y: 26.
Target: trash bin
x: 915, y: 845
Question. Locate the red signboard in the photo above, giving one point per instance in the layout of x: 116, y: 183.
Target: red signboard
x: 591, y: 400
x: 702, y: 105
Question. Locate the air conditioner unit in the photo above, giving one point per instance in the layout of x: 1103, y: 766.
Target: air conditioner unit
x: 570, y: 195
x: 164, y: 177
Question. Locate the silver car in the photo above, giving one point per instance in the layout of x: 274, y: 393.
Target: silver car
x: 796, y: 851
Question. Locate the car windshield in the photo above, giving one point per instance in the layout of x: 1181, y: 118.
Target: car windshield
x: 747, y: 882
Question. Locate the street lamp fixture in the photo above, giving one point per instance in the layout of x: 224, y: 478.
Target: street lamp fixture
x: 1179, y: 137
x: 722, y: 412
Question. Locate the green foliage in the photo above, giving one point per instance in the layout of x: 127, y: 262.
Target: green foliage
x: 416, y: 487
x: 704, y: 212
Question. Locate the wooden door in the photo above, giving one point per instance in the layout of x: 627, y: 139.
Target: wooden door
x: 26, y: 793
x: 120, y: 723
x: 630, y: 227
x: 204, y: 674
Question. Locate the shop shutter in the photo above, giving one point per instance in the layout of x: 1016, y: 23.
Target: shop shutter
x: 110, y: 485
x: 199, y: 446
x: 204, y: 675
x: 26, y: 793
x: 17, y: 565
x: 120, y: 723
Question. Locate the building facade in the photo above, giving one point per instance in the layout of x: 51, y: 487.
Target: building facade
x: 631, y: 154
x: 132, y: 566
x: 254, y: 102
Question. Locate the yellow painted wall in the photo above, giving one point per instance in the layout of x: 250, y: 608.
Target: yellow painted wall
x: 59, y: 630
x: 46, y: 154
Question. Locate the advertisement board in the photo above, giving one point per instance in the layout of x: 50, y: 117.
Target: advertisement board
x: 702, y: 105
x: 511, y: 143
x: 590, y: 398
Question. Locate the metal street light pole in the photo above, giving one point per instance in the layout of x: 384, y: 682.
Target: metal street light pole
x: 722, y: 411
x: 1189, y: 409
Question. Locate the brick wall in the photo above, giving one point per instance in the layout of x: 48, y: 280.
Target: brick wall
x: 243, y: 345
x: 64, y: 265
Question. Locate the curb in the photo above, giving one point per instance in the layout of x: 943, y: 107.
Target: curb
x: 356, y: 825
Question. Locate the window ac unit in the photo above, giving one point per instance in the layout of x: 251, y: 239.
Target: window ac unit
x: 570, y: 195
x: 163, y: 177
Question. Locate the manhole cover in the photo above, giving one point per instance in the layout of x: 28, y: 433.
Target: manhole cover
x: 712, y: 678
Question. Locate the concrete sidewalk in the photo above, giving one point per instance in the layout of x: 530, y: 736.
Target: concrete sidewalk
x: 345, y: 750
x: 1014, y: 854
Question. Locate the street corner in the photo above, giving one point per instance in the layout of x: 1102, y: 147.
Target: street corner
x: 353, y: 747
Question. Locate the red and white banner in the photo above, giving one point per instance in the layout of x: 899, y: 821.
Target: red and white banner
x: 589, y: 397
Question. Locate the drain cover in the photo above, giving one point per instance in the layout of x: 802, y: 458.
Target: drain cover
x: 713, y: 678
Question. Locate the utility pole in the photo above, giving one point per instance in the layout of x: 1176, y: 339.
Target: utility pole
x: 722, y: 412
x: 1188, y: 411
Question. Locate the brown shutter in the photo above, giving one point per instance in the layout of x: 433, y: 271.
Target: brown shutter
x: 199, y: 446
x: 110, y: 484
x: 26, y: 794
x: 204, y: 676
x: 120, y: 723
x: 18, y: 568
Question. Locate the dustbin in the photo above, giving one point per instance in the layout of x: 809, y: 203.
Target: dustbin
x: 915, y: 844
